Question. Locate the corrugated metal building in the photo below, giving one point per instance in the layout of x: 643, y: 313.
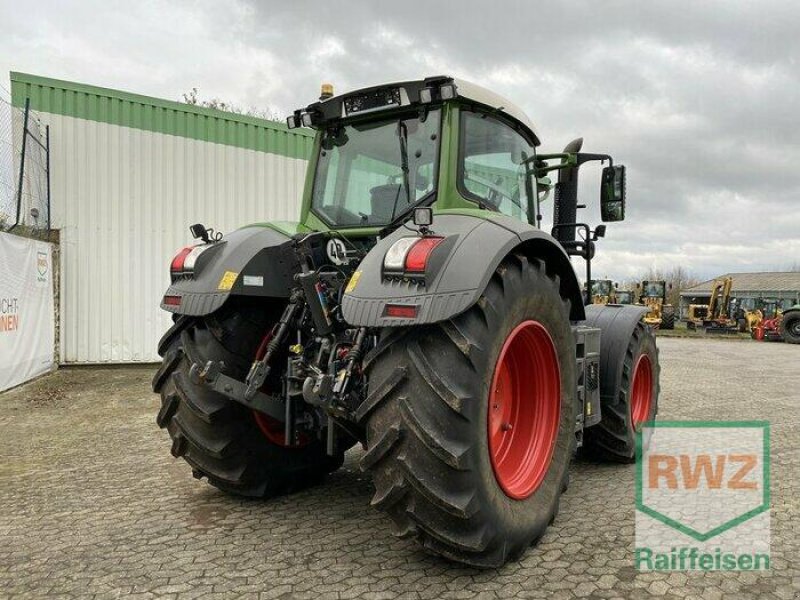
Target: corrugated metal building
x: 747, y: 288
x: 130, y: 173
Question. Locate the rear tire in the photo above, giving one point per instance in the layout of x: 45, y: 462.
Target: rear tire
x: 431, y: 444
x: 219, y: 438
x: 790, y: 327
x: 635, y: 402
x: 668, y: 320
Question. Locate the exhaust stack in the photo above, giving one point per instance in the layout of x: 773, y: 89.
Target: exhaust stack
x: 566, y: 196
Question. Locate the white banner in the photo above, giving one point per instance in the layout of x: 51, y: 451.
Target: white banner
x: 27, y: 318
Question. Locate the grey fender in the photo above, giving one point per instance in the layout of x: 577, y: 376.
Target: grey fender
x: 616, y: 322
x: 252, y: 261
x: 459, y: 271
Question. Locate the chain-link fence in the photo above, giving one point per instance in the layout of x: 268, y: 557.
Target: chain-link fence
x: 24, y: 169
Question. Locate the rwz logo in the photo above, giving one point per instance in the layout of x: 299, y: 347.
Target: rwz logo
x: 705, y: 482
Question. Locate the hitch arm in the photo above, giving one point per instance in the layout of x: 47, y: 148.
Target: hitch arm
x: 261, y: 368
x: 211, y: 375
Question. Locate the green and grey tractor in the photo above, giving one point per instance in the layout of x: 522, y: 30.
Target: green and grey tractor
x: 419, y: 309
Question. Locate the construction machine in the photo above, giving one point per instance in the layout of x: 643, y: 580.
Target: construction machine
x: 625, y: 296
x: 417, y: 308
x: 653, y: 295
x: 714, y: 317
x: 603, y: 291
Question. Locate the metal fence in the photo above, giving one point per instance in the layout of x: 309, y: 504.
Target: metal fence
x: 24, y: 169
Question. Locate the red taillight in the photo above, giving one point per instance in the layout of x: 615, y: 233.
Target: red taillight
x: 410, y: 255
x: 172, y: 300
x: 401, y: 311
x: 180, y: 258
x: 417, y: 257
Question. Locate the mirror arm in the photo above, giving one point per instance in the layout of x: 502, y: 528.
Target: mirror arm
x: 568, y: 159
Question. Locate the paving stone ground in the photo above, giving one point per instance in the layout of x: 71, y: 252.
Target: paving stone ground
x: 93, y: 505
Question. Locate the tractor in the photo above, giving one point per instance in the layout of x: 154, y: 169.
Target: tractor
x: 776, y: 325
x: 653, y: 295
x: 417, y: 308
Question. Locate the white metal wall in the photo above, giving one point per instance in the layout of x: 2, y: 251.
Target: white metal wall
x: 123, y: 199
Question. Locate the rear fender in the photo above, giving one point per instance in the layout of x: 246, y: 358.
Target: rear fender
x: 252, y: 261
x: 460, y: 269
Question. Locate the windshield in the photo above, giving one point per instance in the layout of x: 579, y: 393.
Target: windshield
x: 369, y: 173
x: 601, y: 287
x: 625, y: 297
x: 654, y: 290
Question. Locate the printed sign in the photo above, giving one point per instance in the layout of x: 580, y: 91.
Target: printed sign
x: 27, y: 316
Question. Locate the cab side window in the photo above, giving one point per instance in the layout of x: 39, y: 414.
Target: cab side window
x: 491, y: 171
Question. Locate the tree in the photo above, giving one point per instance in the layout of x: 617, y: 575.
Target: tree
x: 268, y: 113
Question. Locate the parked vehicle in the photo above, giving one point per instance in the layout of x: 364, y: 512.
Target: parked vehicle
x: 653, y: 295
x: 417, y: 308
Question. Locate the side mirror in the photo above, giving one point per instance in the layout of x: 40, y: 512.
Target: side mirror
x: 612, y: 194
x: 600, y: 231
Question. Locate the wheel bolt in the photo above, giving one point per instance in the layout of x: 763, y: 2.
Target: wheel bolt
x: 506, y: 427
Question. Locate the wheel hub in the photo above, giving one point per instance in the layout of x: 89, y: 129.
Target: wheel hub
x: 524, y: 410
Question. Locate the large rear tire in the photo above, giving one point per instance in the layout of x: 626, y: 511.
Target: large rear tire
x: 221, y: 439
x: 470, y: 422
x: 790, y: 327
x: 668, y: 320
x: 634, y: 403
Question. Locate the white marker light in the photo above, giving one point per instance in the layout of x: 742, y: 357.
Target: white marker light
x: 395, y: 258
x: 191, y: 258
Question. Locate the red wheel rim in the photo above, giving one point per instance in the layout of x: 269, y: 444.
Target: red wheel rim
x: 524, y: 410
x: 641, y: 390
x: 273, y: 429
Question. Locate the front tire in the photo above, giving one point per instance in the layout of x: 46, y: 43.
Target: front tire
x: 444, y: 468
x: 634, y: 403
x: 222, y: 440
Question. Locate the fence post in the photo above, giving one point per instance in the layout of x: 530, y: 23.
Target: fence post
x: 22, y: 160
x: 47, y: 165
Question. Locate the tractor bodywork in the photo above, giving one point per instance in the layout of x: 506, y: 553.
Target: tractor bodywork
x: 417, y: 307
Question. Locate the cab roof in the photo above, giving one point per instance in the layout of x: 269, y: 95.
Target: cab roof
x: 407, y: 93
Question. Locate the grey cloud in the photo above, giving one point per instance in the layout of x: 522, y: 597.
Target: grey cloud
x: 699, y: 99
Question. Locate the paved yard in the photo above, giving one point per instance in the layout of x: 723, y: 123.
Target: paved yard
x: 93, y: 505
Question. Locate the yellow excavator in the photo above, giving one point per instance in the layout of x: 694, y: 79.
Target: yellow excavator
x: 653, y: 295
x: 714, y: 315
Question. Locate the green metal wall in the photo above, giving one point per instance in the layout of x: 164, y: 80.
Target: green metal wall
x: 115, y: 107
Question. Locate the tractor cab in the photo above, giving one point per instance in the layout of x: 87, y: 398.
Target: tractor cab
x: 440, y: 142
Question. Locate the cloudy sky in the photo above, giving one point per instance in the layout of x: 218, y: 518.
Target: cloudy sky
x: 700, y: 100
